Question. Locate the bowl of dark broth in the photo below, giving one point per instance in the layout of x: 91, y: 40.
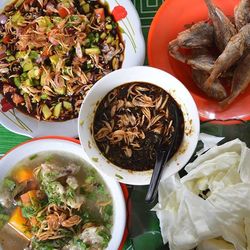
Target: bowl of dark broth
x: 130, y: 122
x: 128, y: 114
x: 52, y: 198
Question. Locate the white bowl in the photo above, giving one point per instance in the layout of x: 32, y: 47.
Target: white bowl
x: 143, y: 74
x: 134, y: 55
x: 62, y: 144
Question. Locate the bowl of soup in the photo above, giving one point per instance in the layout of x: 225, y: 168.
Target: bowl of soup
x: 125, y: 117
x: 52, y: 197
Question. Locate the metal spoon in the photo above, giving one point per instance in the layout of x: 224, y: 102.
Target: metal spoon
x: 162, y: 156
x: 10, y: 238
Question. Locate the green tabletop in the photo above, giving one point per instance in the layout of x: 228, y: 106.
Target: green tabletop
x: 143, y: 226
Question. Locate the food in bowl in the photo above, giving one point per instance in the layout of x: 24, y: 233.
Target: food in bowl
x: 57, y: 202
x: 219, y: 52
x: 132, y: 120
x: 52, y: 52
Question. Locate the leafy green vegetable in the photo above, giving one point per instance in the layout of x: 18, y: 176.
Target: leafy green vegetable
x: 4, y: 217
x: 47, y: 245
x: 52, y: 191
x: 118, y: 176
x: 95, y: 159
x: 9, y: 184
x: 70, y: 193
x: 33, y: 54
x: 101, y: 189
x: 33, y: 157
x: 106, y: 237
x: 79, y: 244
x: 28, y: 212
x: 107, y: 213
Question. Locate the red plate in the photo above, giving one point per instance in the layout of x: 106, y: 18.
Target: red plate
x: 170, y: 19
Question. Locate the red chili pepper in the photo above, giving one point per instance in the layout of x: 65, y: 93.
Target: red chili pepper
x: 6, y: 39
x: 119, y: 12
x: 100, y: 14
x: 63, y: 12
x: 6, y: 106
x: 29, y: 1
x: 2, y: 56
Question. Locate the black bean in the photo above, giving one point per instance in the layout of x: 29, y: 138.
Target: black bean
x: 113, y: 32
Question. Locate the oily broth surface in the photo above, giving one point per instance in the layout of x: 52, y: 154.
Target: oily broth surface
x: 138, y: 155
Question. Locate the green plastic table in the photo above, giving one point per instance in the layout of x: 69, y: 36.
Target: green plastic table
x: 142, y: 225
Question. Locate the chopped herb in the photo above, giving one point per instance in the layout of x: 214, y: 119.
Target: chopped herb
x: 33, y: 157
x: 70, y: 193
x: 9, y: 184
x: 28, y: 212
x: 95, y: 159
x: 107, y: 213
x: 3, y: 219
x: 118, y: 176
x: 106, y: 237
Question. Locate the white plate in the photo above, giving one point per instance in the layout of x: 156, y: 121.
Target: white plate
x: 134, y: 55
x: 69, y: 146
x: 139, y: 74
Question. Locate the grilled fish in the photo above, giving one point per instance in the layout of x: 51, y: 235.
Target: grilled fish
x: 242, y: 14
x: 232, y: 53
x: 223, y: 28
x: 241, y: 80
x: 215, y: 91
x: 199, y: 35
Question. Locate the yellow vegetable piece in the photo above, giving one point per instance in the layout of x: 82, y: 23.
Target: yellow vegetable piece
x: 67, y: 105
x: 61, y: 90
x: 46, y: 112
x: 43, y: 78
x: 92, y: 51
x: 57, y: 110
x: 21, y: 54
x: 23, y: 174
x: 54, y: 59
x: 27, y: 65
x: 20, y: 223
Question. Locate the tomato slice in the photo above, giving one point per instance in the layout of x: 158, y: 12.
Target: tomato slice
x: 29, y: 1
x: 63, y: 11
x: 6, y: 39
x: 100, y: 14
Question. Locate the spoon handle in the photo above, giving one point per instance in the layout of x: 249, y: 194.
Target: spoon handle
x: 161, y: 158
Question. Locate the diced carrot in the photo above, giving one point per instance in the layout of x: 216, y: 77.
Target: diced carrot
x: 20, y: 223
x: 17, y: 99
x: 23, y: 174
x: 29, y: 1
x: 33, y: 221
x: 63, y: 12
x: 29, y: 197
x: 46, y: 51
x: 100, y: 14
x: 2, y: 55
x: 6, y: 39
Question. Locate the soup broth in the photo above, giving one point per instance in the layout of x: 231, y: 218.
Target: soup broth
x: 132, y: 120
